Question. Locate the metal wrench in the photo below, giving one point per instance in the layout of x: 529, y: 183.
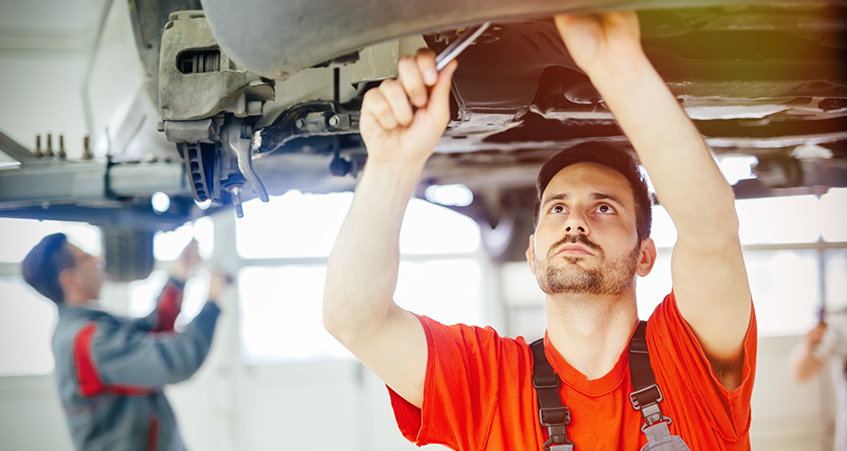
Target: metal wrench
x: 459, y: 45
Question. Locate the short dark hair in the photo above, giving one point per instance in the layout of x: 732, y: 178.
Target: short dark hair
x: 44, y: 263
x: 609, y: 154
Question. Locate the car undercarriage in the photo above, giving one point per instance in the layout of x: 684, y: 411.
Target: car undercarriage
x: 252, y: 99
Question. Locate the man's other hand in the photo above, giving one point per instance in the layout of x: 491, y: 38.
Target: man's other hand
x: 803, y: 360
x: 217, y: 284
x: 403, y: 119
x: 814, y: 336
x: 602, y: 40
x: 186, y: 261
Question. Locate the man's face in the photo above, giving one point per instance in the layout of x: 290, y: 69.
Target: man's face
x: 586, y: 240
x: 88, y: 271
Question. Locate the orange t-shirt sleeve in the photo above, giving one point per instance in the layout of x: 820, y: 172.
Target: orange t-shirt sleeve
x: 686, y: 376
x: 460, y: 390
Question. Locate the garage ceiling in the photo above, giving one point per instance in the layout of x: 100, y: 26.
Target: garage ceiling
x: 45, y: 46
x: 56, y: 27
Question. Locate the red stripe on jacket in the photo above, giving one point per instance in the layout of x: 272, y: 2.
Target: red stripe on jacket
x: 168, y: 306
x: 153, y: 434
x: 88, y: 376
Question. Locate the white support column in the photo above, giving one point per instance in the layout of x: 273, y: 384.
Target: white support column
x: 226, y: 350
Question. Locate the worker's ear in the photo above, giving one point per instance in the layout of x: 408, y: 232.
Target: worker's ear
x: 69, y: 281
x: 648, y: 257
x: 530, y: 254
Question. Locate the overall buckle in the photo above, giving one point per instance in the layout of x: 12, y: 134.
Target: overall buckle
x: 647, y: 402
x: 546, y: 381
x: 552, y: 416
x: 645, y: 397
x: 558, y: 439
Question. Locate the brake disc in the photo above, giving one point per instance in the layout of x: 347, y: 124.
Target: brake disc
x: 199, y: 159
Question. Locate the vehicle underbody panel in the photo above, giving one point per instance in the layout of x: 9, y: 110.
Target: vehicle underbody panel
x: 263, y: 96
x: 279, y: 38
x: 769, y: 72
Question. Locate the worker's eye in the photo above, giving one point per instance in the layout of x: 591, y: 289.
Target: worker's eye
x: 558, y: 208
x: 606, y: 208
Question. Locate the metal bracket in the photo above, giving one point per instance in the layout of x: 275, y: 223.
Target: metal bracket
x: 236, y: 144
x: 313, y: 118
x: 11, y: 148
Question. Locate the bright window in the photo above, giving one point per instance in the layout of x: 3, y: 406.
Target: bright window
x: 651, y: 290
x: 836, y: 278
x: 457, y: 297
x: 431, y: 229
x: 786, y: 290
x: 281, y: 305
x: 779, y: 220
x: 21, y: 235
x: 737, y: 167
x: 168, y: 245
x: 281, y: 315
x: 305, y: 225
x: 776, y: 220
x: 833, y: 215
x: 785, y: 283
x: 291, y: 225
x: 785, y: 286
x: 663, y: 231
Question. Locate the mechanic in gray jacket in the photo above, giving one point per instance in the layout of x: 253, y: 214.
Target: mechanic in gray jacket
x: 110, y: 371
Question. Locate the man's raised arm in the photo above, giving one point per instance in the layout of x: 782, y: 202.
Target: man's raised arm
x: 401, y: 123
x: 169, y: 302
x: 709, y: 278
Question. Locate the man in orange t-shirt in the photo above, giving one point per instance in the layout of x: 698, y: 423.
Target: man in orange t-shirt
x: 470, y: 389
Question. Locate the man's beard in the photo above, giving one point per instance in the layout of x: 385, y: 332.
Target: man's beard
x: 611, y: 278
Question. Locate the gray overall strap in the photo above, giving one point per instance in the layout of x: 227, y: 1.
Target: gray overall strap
x: 551, y: 413
x: 646, y: 395
x: 645, y: 398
